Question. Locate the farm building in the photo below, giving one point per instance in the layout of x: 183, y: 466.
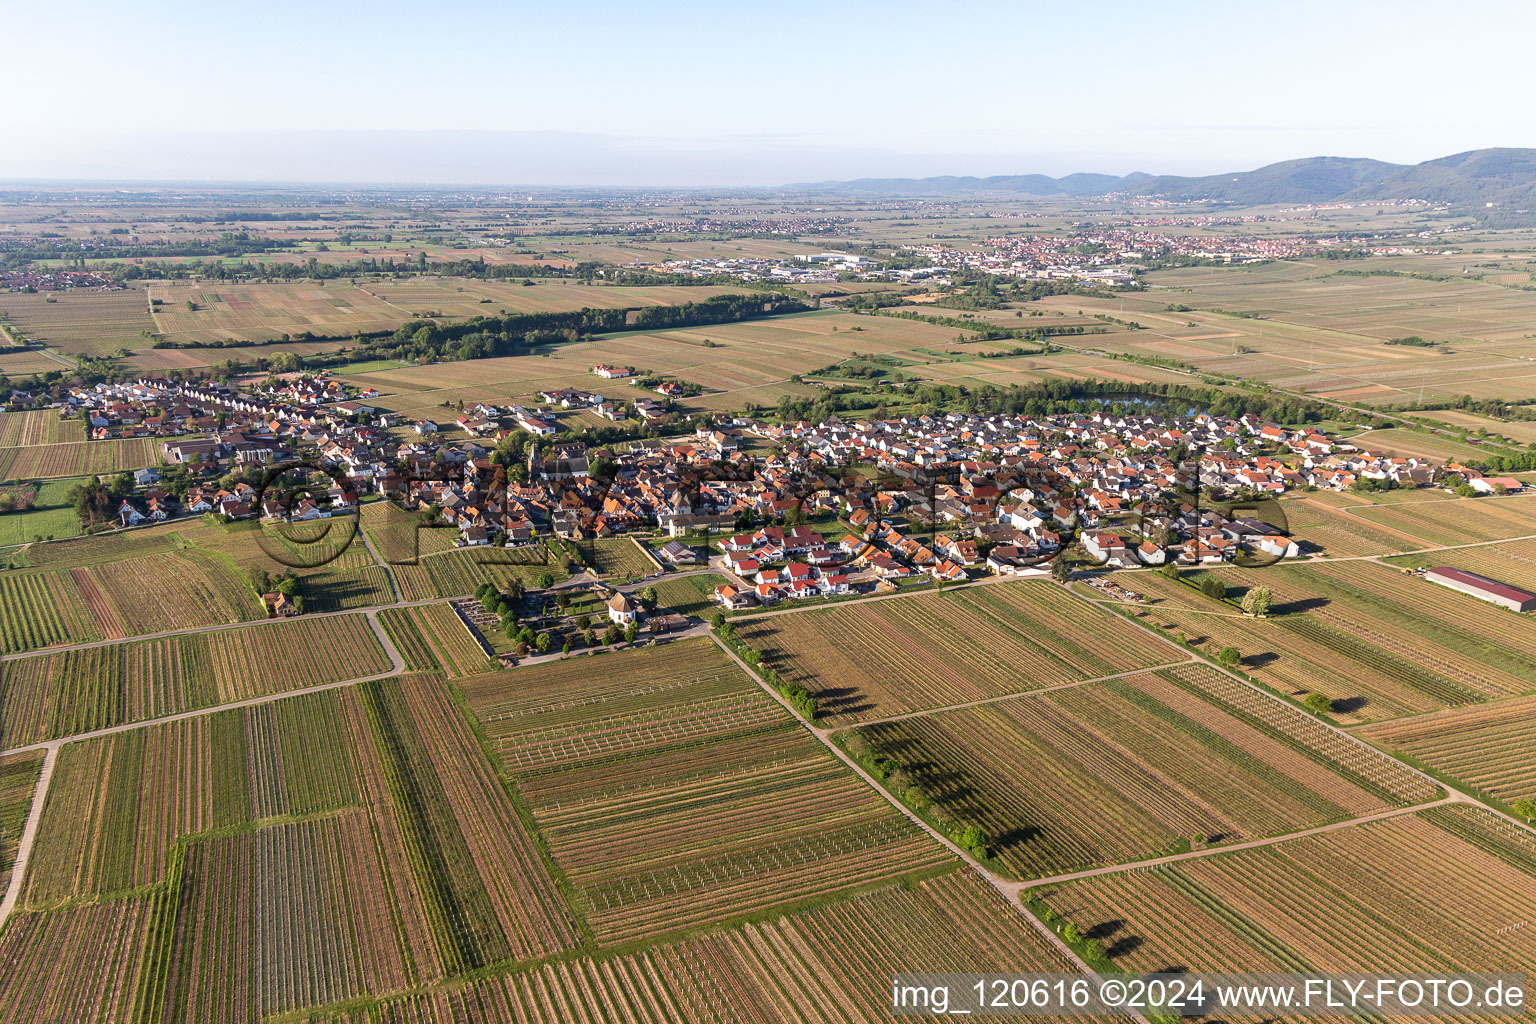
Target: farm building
x: 1481, y: 587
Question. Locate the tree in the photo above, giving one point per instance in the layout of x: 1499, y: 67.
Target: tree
x: 648, y: 596
x: 1170, y: 570
x: 1071, y: 933
x: 509, y: 629
x: 718, y: 620
x: 1214, y: 588
x: 1061, y: 572
x: 1525, y: 809
x: 566, y: 648
x: 1229, y: 656
x: 611, y: 634
x: 298, y: 604
x: 1258, y: 601
x: 542, y: 642
x: 630, y: 632
x: 546, y: 580
x: 1318, y: 703
x: 1094, y: 949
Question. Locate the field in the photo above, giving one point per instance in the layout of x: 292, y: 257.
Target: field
x: 79, y: 458
x: 71, y: 692
x: 689, y: 595
x: 829, y: 964
x: 51, y: 515
x: 85, y: 963
x: 42, y: 609
x: 1487, y: 747
x: 616, y: 556
x: 1512, y: 562
x: 42, y: 426
x: 154, y: 593
x: 458, y: 572
x: 1315, y: 329
x: 1130, y: 768
x: 88, y: 323
x: 1411, y: 646
x: 1441, y: 890
x: 433, y: 638
x: 264, y: 312
x: 933, y: 650
x: 18, y: 780
x: 674, y: 794
x: 400, y: 536
x: 468, y: 886
x: 1341, y: 532
x: 1464, y: 521
x: 745, y: 363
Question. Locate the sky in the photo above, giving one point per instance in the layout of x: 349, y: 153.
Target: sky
x: 734, y: 94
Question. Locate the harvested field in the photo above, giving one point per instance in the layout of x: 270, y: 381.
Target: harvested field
x: 830, y: 964
x: 1442, y: 890
x: 1491, y: 747
x: 1136, y: 767
x: 932, y: 650
x: 673, y: 793
x: 434, y: 639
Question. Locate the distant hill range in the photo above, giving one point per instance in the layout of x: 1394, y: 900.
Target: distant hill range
x: 1503, y: 176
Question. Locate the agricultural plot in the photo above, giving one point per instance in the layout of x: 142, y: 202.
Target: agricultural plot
x: 433, y: 638
x: 468, y: 297
x: 1135, y: 767
x: 616, y: 556
x: 1410, y: 646
x: 689, y: 595
x: 291, y: 655
x: 88, y: 962
x: 18, y: 781
x: 487, y: 895
x: 41, y: 426
x: 674, y: 794
x: 1464, y: 521
x: 1512, y: 562
x: 263, y: 312
x: 458, y: 572
x: 932, y: 650
x: 79, y: 458
x: 1488, y: 747
x: 830, y: 964
x: 118, y: 803
x: 297, y: 914
x: 1442, y: 890
x: 1341, y: 532
x: 1404, y: 442
x: 52, y: 515
x: 400, y: 536
x: 156, y: 593
x: 89, y: 323
x: 42, y: 609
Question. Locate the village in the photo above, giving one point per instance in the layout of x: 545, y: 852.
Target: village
x: 782, y: 512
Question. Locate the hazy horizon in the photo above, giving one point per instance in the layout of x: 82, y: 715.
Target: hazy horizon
x: 693, y: 95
